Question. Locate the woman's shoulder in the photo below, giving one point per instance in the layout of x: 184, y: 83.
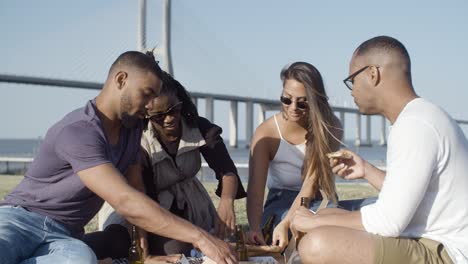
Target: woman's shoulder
x: 268, y: 128
x: 208, y: 129
x: 204, y: 123
x: 266, y: 138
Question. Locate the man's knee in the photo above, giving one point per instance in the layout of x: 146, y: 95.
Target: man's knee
x: 7, y: 254
x: 76, y: 252
x: 70, y: 252
x: 83, y: 259
x: 314, y: 245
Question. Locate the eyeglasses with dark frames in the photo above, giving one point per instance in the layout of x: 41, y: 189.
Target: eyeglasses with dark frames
x: 158, y: 117
x: 349, y: 82
x: 302, y: 105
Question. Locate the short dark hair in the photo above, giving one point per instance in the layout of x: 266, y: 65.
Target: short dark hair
x: 139, y: 60
x: 384, y: 44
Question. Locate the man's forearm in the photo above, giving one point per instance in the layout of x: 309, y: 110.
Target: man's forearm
x: 134, y: 205
x: 142, y: 211
x: 374, y: 175
x: 340, y: 218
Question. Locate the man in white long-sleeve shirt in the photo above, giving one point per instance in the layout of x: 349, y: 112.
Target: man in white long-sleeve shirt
x: 421, y: 215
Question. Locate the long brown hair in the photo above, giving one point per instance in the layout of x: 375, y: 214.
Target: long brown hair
x: 320, y: 122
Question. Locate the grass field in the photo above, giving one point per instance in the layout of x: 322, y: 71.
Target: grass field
x: 345, y: 191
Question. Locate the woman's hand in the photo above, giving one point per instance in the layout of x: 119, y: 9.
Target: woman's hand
x: 280, y: 234
x: 226, y: 220
x: 255, y: 237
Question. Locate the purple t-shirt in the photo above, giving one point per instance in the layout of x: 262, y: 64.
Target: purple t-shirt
x: 51, y: 186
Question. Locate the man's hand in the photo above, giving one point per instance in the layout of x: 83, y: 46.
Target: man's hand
x: 255, y: 237
x: 216, y: 249
x: 302, y: 221
x: 226, y: 222
x: 280, y: 234
x: 350, y: 166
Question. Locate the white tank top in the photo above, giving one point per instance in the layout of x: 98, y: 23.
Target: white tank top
x: 284, y: 170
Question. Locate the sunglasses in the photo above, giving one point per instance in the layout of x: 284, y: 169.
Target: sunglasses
x: 158, y: 117
x: 302, y: 105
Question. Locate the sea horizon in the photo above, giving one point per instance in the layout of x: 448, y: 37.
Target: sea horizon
x: 27, y: 148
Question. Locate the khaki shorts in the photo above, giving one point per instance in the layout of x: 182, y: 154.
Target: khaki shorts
x: 389, y: 250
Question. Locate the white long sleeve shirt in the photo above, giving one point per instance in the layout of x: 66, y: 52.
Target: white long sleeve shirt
x: 425, y: 191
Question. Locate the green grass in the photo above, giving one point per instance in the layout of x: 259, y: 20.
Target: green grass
x: 348, y: 191
x: 7, y: 182
x: 345, y: 191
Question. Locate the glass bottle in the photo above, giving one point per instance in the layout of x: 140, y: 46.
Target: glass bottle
x: 241, y: 249
x: 305, y: 202
x: 268, y: 228
x: 135, y: 251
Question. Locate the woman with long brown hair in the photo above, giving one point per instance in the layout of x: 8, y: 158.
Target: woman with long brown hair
x: 288, y: 153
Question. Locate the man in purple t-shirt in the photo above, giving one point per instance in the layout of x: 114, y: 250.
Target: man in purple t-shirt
x: 89, y: 156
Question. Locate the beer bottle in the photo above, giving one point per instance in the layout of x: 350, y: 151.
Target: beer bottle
x: 268, y: 228
x: 135, y: 251
x: 305, y: 202
x: 241, y: 249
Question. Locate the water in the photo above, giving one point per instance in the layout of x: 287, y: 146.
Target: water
x: 19, y: 147
x: 29, y: 147
x: 375, y: 154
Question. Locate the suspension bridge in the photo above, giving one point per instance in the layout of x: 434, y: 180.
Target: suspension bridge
x: 254, y: 109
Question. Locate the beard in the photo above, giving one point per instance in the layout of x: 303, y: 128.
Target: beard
x: 128, y: 120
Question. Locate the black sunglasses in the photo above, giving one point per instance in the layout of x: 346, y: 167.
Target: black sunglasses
x: 302, y: 105
x: 158, y: 117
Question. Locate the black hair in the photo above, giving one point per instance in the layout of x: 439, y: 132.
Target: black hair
x: 171, y: 87
x: 385, y: 44
x: 139, y: 60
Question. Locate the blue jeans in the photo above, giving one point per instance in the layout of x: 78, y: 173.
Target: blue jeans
x: 27, y: 237
x: 280, y: 200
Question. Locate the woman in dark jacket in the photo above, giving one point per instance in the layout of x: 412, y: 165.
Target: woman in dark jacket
x: 173, y: 143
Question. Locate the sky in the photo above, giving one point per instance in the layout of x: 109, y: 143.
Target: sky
x: 224, y: 47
